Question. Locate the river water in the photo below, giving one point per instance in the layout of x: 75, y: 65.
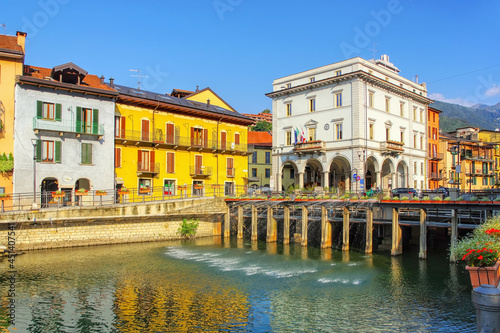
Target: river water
x: 207, y: 285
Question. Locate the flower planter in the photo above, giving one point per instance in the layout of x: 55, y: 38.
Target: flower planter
x: 123, y: 192
x: 144, y: 191
x: 425, y: 201
x: 100, y: 193
x: 59, y: 195
x: 484, y: 275
x: 80, y: 193
x: 6, y: 197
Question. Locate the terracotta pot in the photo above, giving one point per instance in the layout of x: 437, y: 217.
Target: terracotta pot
x: 484, y: 275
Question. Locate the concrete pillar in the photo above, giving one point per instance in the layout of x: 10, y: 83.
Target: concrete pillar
x: 345, y: 230
x: 378, y: 179
x: 272, y: 226
x: 326, y: 178
x: 278, y: 181
x: 394, y: 179
x: 397, y: 239
x: 286, y: 226
x: 254, y: 223
x: 240, y: 222
x: 454, y: 231
x: 227, y: 222
x: 347, y: 177
x: 301, y: 180
x: 369, y: 231
x: 326, y: 229
x: 304, y: 226
x: 423, y: 234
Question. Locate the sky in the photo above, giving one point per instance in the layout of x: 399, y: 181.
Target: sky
x: 238, y: 47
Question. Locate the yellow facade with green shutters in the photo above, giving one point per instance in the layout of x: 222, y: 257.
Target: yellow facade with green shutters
x: 494, y: 137
x: 163, y: 144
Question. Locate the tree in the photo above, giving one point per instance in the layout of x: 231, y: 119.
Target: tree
x: 262, y: 126
x: 266, y: 111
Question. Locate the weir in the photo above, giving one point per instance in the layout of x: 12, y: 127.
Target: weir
x: 336, y: 223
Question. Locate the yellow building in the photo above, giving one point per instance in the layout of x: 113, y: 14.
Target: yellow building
x: 189, y: 141
x: 11, y: 64
x: 493, y: 137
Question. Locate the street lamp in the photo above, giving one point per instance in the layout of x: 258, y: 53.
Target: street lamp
x: 455, y: 150
x: 34, y: 143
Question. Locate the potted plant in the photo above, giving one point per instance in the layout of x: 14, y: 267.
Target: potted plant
x: 81, y: 191
x: 395, y: 199
x: 480, y: 252
x: 496, y: 200
x: 447, y: 199
x: 405, y: 198
x: 4, y: 196
x: 460, y: 200
x: 123, y: 190
x: 198, y: 187
x: 415, y: 198
x: 100, y: 193
x: 472, y: 200
x: 486, y: 200
x: 437, y: 199
x: 386, y: 199
x: 426, y: 199
x: 144, y: 189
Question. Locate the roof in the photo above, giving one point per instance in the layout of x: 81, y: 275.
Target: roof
x: 10, y: 43
x: 42, y: 73
x: 433, y: 109
x: 260, y: 138
x: 181, y: 93
x: 179, y: 104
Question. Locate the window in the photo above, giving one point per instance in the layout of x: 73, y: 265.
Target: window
x: 370, y: 100
x: 236, y: 139
x: 288, y: 138
x: 48, y: 111
x: 288, y: 85
x: 387, y: 105
x: 48, y: 151
x: 474, y: 181
x: 268, y: 157
x: 434, y: 133
x: 415, y: 184
x: 199, y: 137
x: 292, y: 173
x: 421, y: 116
x: 485, y: 168
x: 223, y: 140
x: 312, y: 79
x: 198, y: 164
x: 169, y: 186
x: 87, y: 153
x: 312, y: 105
x: 415, y: 167
x: 288, y: 107
x: 402, y: 137
x: 268, y: 173
x: 170, y: 162
x: 87, y: 120
x: 144, y: 183
x: 145, y: 130
x: 422, y: 169
x: 254, y: 172
x: 402, y: 109
x: 254, y: 157
x: 371, y: 131
x: 338, y: 131
x: 312, y: 134
x: 120, y: 127
x: 230, y: 167
x: 338, y: 100
x: 338, y: 73
x: 387, y: 133
x: 415, y: 114
x: 414, y: 141
x: 429, y: 131
x: 421, y: 142
x: 118, y: 157
x: 145, y: 161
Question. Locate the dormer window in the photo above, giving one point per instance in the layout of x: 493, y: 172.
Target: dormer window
x: 69, y: 73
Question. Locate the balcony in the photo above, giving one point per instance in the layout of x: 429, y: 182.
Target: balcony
x: 479, y: 173
x: 436, y: 176
x: 230, y: 173
x: 434, y: 156
x: 476, y: 157
x: 66, y: 126
x: 310, y: 147
x: 200, y: 171
x: 392, y: 147
x: 148, y: 168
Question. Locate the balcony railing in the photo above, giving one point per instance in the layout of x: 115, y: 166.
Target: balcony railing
x: 200, y: 171
x: 178, y: 141
x: 436, y: 156
x: 65, y: 126
x: 436, y: 175
x: 392, y: 147
x: 309, y: 147
x: 231, y: 172
x: 477, y: 157
x: 143, y: 167
x: 479, y: 173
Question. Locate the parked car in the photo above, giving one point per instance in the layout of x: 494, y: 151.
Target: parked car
x: 404, y: 191
x: 445, y: 191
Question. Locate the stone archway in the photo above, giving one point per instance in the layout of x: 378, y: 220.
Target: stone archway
x: 340, y: 170
x: 82, y: 183
x: 48, y: 186
x: 386, y: 175
x: 289, y: 175
x: 313, y: 173
x: 402, y: 175
x: 372, y: 169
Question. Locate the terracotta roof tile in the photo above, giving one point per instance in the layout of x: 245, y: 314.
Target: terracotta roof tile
x: 255, y: 138
x: 10, y: 43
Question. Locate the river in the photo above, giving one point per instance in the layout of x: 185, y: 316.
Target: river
x: 207, y: 285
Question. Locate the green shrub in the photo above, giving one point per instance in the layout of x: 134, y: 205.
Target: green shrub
x: 386, y: 198
x: 447, y: 199
x: 485, y: 199
x: 460, y: 198
x: 496, y: 199
x: 188, y: 228
x: 415, y: 199
x: 437, y: 199
x: 333, y: 197
x: 426, y: 198
x: 395, y: 198
x: 473, y: 199
x: 404, y: 198
x: 354, y: 198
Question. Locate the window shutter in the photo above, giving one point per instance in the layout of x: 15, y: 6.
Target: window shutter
x: 170, y: 133
x: 152, y: 161
x: 192, y: 136
x: 139, y: 156
x: 118, y: 157
x: 58, y: 152
x: 79, y: 119
x: 58, y: 112
x: 83, y: 153
x: 122, y: 127
x: 205, y: 138
x: 38, y: 150
x: 95, y: 122
x: 223, y: 140
x: 39, y: 109
x: 170, y: 162
x: 237, y: 138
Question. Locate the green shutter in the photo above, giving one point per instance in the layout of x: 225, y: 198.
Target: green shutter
x: 58, y: 112
x: 86, y: 153
x: 58, y: 152
x: 95, y: 122
x: 79, y: 119
x: 38, y: 150
x: 39, y: 109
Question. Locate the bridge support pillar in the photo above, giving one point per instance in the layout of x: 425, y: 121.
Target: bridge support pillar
x: 240, y: 222
x: 326, y: 229
x: 454, y: 231
x: 304, y: 226
x: 423, y: 234
x: 286, y: 227
x: 345, y: 230
x: 369, y: 231
x: 254, y: 223
x: 272, y: 226
x: 227, y: 222
x: 397, y: 239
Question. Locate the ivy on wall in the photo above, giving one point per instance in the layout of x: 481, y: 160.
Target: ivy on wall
x: 6, y: 163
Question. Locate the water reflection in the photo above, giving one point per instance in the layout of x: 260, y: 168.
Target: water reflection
x: 237, y: 286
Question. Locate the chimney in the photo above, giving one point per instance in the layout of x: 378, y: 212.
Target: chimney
x: 21, y: 39
x: 102, y: 79
x: 111, y: 82
x: 208, y: 103
x: 416, y: 79
x: 197, y: 88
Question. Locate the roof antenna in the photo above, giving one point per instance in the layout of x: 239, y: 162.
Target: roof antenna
x: 4, y: 28
x: 138, y: 75
x: 374, y: 50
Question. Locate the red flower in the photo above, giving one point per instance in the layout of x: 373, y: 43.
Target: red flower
x: 480, y: 257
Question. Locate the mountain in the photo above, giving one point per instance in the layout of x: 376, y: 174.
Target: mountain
x: 455, y: 116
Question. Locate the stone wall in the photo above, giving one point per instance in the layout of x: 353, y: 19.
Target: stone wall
x: 110, y: 225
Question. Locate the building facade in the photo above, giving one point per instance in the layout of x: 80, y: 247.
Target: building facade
x: 355, y: 117
x: 65, y: 121
x: 195, y: 141
x: 259, y: 161
x: 493, y: 137
x: 11, y: 65
x: 434, y: 174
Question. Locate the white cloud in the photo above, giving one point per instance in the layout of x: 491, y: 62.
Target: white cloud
x: 493, y: 91
x: 459, y: 101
